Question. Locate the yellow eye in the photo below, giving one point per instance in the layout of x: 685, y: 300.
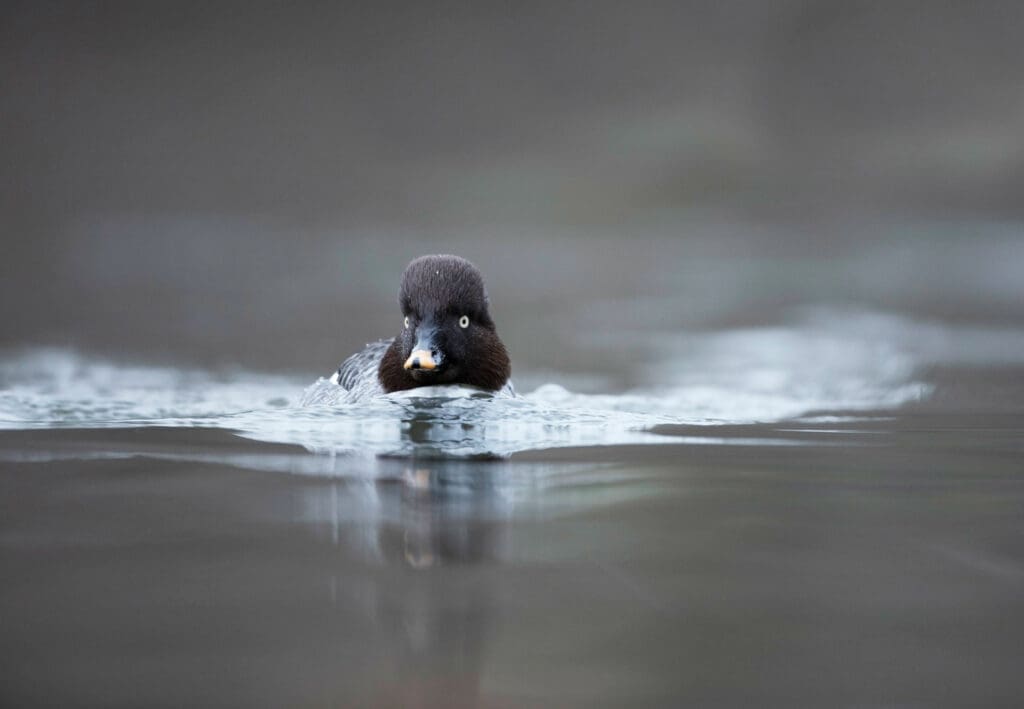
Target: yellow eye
x: 464, y: 322
x: 406, y: 322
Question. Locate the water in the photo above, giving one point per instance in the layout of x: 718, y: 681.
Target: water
x: 824, y: 510
x: 823, y: 361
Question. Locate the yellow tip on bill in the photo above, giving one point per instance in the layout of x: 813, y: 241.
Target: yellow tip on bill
x: 420, y: 359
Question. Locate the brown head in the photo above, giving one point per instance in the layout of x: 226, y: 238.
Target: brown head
x: 448, y: 336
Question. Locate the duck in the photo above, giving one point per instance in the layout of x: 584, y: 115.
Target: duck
x: 447, y: 338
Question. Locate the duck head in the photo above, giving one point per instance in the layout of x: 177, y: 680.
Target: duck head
x: 447, y: 334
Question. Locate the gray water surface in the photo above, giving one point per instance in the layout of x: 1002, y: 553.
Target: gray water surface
x: 877, y: 564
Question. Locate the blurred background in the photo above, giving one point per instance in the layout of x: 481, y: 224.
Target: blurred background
x: 242, y: 183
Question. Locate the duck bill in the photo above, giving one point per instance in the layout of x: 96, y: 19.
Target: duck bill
x: 426, y: 355
x: 421, y: 360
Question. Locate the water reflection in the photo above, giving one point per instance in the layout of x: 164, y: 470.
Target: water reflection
x: 424, y: 514
x: 432, y: 622
x: 447, y: 582
x: 432, y: 541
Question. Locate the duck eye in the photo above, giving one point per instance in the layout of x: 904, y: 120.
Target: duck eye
x: 464, y: 322
x: 406, y: 322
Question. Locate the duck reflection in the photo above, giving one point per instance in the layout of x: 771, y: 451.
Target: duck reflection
x: 439, y: 513
x: 442, y: 522
x: 424, y: 537
x: 415, y: 584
